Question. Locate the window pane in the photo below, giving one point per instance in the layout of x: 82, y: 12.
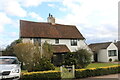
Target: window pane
x: 73, y: 42
x: 112, y: 53
x: 56, y: 41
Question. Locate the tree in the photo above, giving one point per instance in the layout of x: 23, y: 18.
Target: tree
x: 82, y: 58
x: 30, y: 55
x: 47, y: 50
x: 9, y: 51
x: 26, y: 52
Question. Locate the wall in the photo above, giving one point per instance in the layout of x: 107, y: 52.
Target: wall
x: 80, y: 44
x: 27, y: 40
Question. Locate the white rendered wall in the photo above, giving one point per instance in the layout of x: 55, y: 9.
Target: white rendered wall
x: 67, y: 42
x: 27, y: 40
x: 80, y: 44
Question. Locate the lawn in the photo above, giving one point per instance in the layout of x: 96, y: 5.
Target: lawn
x: 96, y: 65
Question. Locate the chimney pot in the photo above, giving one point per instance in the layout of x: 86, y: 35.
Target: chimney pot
x: 51, y: 19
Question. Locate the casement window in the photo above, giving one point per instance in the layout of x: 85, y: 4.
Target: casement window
x: 73, y: 42
x: 112, y: 53
x: 57, y: 41
x: 37, y: 41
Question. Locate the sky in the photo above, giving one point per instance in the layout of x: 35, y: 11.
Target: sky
x: 97, y: 20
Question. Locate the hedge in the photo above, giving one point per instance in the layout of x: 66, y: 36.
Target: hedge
x: 41, y: 75
x: 83, y: 73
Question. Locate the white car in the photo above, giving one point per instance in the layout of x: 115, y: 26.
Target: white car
x: 9, y: 68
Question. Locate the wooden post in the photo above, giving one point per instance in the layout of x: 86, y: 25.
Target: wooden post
x: 61, y: 68
x: 73, y: 70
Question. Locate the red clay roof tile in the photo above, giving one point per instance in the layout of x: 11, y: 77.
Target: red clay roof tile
x: 48, y: 30
x: 60, y: 48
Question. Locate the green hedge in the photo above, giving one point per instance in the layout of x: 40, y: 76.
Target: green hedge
x: 41, y: 75
x: 83, y: 73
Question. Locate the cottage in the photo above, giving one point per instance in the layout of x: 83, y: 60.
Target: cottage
x: 104, y: 52
x: 64, y: 38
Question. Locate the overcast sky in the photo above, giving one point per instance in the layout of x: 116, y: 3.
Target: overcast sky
x: 97, y: 20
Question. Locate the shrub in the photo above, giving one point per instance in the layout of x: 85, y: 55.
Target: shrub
x: 28, y: 54
x: 32, y: 57
x: 82, y: 58
x: 41, y: 75
x: 69, y: 59
x: 82, y: 73
x: 44, y: 65
x: 47, y: 50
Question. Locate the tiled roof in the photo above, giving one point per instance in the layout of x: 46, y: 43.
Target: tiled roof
x: 60, y: 48
x: 97, y: 46
x: 48, y: 30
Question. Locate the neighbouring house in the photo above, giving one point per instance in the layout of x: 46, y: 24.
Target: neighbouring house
x: 63, y: 38
x: 103, y: 52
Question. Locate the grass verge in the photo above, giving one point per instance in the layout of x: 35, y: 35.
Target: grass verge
x: 97, y: 65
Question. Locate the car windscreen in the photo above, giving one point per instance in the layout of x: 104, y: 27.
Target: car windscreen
x: 8, y: 61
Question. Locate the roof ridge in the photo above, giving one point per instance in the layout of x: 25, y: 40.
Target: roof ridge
x: 48, y: 23
x: 34, y: 21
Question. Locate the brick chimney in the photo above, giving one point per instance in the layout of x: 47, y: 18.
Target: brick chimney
x: 51, y: 19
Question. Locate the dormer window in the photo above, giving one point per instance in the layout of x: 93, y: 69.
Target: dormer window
x: 73, y: 42
x: 57, y: 41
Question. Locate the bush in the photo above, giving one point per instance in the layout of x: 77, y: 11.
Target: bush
x: 42, y: 75
x: 82, y: 58
x: 82, y: 73
x: 69, y: 59
x: 31, y: 56
x: 28, y: 54
x: 44, y: 65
